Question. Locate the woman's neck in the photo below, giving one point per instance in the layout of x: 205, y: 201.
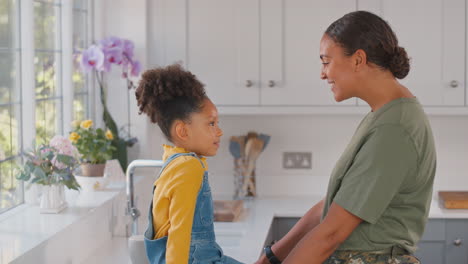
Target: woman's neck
x: 379, y: 91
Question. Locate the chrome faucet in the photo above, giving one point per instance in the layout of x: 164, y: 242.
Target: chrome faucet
x: 131, y: 208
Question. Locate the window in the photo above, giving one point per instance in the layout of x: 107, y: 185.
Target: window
x: 47, y: 69
x: 38, y: 77
x: 10, y: 104
x: 81, y: 81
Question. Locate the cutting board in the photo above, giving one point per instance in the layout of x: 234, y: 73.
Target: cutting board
x: 228, y: 210
x: 454, y: 199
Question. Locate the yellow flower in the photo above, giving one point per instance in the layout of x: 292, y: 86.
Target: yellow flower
x: 74, y: 137
x: 109, y: 135
x: 86, y: 124
x: 75, y: 124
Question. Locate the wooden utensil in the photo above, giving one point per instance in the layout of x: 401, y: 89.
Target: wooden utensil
x: 254, y: 147
x: 235, y: 147
x: 228, y: 210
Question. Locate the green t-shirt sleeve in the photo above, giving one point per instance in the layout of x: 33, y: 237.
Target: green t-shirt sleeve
x: 377, y: 172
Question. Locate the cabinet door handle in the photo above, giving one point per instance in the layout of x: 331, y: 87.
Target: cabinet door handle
x: 248, y: 83
x: 454, y: 84
x: 271, y: 83
x: 457, y: 242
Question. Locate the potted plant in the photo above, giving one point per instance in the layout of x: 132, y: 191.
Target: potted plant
x: 52, y: 166
x: 94, y: 146
x: 99, y: 58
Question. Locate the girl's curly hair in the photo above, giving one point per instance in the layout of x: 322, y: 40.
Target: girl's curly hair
x: 169, y: 93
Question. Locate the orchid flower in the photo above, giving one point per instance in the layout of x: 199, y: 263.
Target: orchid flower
x: 92, y: 58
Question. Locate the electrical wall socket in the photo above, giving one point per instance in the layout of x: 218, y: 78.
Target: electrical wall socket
x: 297, y: 160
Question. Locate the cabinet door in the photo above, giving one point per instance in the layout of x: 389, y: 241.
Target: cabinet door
x: 222, y: 49
x: 456, y: 245
x: 290, y: 41
x: 433, y: 34
x: 431, y: 252
x: 431, y: 248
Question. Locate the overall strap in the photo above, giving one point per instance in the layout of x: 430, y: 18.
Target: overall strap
x: 176, y: 155
x: 149, y: 234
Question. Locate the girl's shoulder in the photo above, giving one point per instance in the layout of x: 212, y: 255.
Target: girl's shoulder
x: 185, y: 165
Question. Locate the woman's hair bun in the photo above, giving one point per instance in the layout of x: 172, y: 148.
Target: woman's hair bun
x: 399, y: 63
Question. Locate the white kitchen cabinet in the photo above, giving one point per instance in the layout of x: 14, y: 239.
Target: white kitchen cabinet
x: 222, y: 49
x: 433, y: 34
x: 252, y: 52
x: 262, y: 56
x: 443, y: 241
x: 290, y: 42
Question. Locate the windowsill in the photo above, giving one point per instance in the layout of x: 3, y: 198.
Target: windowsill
x: 24, y: 228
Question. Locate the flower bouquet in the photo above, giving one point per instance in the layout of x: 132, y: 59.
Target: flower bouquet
x: 52, y: 166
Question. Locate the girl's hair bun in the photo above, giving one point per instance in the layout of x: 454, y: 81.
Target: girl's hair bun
x: 169, y: 93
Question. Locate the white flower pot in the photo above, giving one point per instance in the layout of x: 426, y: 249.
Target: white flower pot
x: 89, y: 184
x: 53, y: 199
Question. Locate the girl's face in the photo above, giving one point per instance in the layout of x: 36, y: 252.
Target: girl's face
x: 338, y: 69
x: 203, y: 131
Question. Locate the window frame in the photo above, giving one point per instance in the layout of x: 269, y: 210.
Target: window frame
x: 26, y: 78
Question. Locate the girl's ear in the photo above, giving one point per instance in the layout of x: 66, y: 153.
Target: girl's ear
x: 181, y: 130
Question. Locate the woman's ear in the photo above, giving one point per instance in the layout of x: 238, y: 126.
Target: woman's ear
x: 359, y: 59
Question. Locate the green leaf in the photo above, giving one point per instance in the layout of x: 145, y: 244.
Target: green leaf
x: 38, y: 172
x: 120, y: 152
x: 36, y: 180
x: 65, y: 159
x: 23, y: 176
x: 110, y: 123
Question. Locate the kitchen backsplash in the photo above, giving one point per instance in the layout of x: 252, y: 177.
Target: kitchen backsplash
x: 326, y: 137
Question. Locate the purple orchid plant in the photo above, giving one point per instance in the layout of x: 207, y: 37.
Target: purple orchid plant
x: 110, y: 51
x: 99, y: 59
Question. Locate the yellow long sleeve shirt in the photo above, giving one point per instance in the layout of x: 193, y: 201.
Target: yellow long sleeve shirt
x: 174, y: 202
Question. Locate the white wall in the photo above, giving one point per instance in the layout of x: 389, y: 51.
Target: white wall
x: 124, y: 19
x: 326, y: 136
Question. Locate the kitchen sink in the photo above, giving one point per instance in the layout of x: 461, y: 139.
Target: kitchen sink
x: 280, y: 226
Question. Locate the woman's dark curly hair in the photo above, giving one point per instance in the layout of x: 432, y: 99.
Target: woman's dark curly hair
x: 169, y: 93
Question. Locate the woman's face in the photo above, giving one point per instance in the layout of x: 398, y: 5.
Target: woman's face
x: 338, y: 69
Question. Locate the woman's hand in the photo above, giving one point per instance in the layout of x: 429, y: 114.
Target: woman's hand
x: 262, y: 260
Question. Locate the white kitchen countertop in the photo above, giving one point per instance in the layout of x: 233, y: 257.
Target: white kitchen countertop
x: 25, y: 229
x: 242, y: 240
x: 254, y: 228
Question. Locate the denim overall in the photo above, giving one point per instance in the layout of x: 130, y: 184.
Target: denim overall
x: 203, y: 246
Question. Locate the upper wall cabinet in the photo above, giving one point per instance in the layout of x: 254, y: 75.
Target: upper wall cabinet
x: 433, y: 34
x: 223, y: 49
x: 254, y: 55
x: 261, y: 52
x: 253, y: 52
x: 290, y: 33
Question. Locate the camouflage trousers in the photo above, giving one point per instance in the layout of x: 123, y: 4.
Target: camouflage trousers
x: 363, y: 257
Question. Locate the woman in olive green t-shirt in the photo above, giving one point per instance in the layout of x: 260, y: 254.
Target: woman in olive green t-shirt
x: 380, y: 190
